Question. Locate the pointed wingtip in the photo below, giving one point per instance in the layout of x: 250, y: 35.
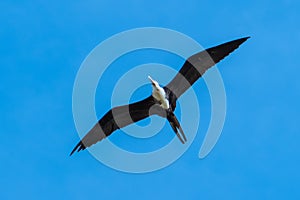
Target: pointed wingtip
x: 240, y: 40
x: 72, y: 152
x: 78, y: 147
x: 243, y: 39
x: 246, y: 38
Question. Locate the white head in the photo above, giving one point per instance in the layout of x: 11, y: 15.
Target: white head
x: 155, y: 84
x: 159, y: 93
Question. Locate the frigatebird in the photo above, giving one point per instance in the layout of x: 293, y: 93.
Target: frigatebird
x: 162, y: 101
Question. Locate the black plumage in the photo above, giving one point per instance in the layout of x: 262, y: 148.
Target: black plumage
x: 121, y: 116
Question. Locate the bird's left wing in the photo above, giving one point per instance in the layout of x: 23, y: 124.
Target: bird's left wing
x: 196, y: 65
x: 117, y: 118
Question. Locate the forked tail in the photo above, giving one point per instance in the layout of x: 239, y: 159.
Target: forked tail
x: 176, y: 126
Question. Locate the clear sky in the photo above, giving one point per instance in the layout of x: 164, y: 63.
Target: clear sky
x: 43, y: 45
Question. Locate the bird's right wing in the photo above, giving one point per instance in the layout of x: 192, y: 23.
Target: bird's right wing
x: 196, y: 65
x: 117, y: 118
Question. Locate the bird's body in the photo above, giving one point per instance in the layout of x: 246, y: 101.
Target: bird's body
x: 162, y: 101
x: 159, y: 94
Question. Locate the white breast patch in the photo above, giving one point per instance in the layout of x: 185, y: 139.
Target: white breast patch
x: 160, y: 96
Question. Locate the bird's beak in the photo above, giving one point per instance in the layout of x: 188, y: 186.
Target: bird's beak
x: 152, y: 81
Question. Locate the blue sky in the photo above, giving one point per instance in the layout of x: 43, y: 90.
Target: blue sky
x: 42, y: 47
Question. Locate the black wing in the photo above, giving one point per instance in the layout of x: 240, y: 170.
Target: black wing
x: 196, y: 65
x: 117, y: 118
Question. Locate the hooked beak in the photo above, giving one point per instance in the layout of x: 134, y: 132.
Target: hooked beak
x: 152, y: 81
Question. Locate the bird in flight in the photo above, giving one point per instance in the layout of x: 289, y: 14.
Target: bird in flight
x: 162, y: 101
